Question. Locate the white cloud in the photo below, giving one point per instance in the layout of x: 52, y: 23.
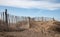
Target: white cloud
x: 30, y: 4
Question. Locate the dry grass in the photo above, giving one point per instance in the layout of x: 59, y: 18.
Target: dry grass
x: 36, y: 29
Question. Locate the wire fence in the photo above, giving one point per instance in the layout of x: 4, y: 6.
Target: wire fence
x: 43, y: 19
x: 9, y: 20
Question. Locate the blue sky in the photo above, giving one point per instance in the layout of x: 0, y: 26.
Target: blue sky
x: 32, y: 8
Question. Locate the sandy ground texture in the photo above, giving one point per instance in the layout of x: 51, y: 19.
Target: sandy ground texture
x: 28, y: 33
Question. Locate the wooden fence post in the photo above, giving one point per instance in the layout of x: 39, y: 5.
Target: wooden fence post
x: 3, y: 17
x: 29, y: 21
x: 53, y: 19
x: 6, y: 19
x: 42, y: 18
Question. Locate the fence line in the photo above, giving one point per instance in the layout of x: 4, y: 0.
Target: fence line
x: 15, y: 19
x: 11, y: 20
x: 43, y: 18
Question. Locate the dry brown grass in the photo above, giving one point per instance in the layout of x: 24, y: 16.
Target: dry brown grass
x: 36, y: 29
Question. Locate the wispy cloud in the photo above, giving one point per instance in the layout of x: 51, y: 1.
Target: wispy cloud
x: 40, y: 4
